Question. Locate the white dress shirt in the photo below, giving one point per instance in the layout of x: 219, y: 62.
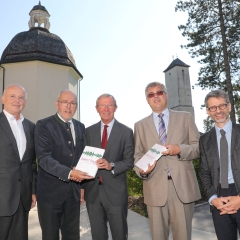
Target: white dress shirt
x: 18, y: 132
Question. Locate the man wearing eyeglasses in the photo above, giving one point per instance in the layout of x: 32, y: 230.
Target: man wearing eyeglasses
x: 107, y: 195
x: 170, y: 186
x: 220, y: 166
x: 59, y: 145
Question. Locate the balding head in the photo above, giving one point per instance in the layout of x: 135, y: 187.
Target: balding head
x: 14, y: 99
x: 66, y: 104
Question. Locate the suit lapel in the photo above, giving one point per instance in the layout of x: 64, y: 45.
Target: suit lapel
x: 97, y: 134
x: 115, y: 132
x: 27, y: 135
x: 78, y: 134
x: 234, y: 137
x: 171, y: 122
x: 152, y: 129
x: 8, y: 131
x: 213, y: 140
x: 212, y: 144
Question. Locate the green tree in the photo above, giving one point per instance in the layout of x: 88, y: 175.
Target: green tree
x: 208, y: 124
x: 212, y: 31
x: 135, y: 184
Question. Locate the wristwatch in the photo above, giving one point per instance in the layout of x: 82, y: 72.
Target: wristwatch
x: 112, y: 165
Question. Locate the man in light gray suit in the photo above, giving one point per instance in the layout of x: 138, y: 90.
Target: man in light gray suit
x: 220, y: 166
x: 170, y: 185
x: 107, y: 195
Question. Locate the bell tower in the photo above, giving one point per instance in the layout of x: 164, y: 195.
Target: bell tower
x: 178, y: 84
x: 39, y: 17
x: 42, y: 63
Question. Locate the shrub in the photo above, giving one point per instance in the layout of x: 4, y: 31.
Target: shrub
x: 135, y: 184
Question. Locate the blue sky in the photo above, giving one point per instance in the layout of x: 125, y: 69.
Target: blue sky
x: 119, y: 47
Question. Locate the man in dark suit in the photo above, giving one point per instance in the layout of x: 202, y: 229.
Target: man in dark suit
x: 107, y: 195
x: 17, y: 166
x: 59, y: 145
x: 220, y: 166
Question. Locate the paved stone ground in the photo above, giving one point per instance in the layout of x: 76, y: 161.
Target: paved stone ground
x: 202, y: 225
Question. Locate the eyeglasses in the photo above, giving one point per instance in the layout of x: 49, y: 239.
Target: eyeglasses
x: 158, y: 93
x: 108, y: 105
x: 65, y: 104
x: 221, y: 107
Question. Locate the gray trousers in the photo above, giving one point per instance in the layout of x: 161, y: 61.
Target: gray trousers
x: 102, y: 211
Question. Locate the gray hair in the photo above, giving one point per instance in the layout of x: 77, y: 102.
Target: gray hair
x: 105, y: 95
x: 155, y: 84
x: 216, y: 94
x: 66, y: 90
x: 16, y: 85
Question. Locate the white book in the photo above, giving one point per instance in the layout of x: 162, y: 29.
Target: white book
x: 150, y: 156
x: 87, y: 161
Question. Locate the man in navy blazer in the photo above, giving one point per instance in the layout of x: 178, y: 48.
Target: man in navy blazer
x: 107, y: 195
x: 59, y: 145
x: 222, y: 188
x: 17, y: 166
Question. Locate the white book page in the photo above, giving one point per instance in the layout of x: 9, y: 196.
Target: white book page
x: 150, y: 156
x: 87, y: 161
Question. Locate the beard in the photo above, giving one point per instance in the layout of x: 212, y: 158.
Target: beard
x: 222, y: 120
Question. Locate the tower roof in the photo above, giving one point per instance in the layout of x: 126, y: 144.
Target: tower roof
x: 38, y: 44
x: 39, y: 7
x: 176, y: 62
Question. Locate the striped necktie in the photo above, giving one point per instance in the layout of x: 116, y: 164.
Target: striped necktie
x: 162, y: 129
x: 163, y: 134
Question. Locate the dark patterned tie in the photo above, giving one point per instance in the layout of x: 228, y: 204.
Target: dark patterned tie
x: 224, y: 159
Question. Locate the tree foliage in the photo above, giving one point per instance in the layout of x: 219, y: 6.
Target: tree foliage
x: 213, y: 34
x: 135, y: 184
x: 208, y: 124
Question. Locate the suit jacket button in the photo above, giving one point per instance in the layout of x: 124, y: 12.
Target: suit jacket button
x: 19, y: 180
x: 69, y: 142
x: 71, y: 154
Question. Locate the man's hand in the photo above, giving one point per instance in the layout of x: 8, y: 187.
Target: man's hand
x: 78, y: 176
x: 34, y: 200
x: 150, y: 168
x: 81, y: 196
x: 218, y: 202
x: 103, y: 164
x: 172, y: 149
x: 231, y: 206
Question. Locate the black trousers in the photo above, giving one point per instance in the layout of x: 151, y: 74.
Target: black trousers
x: 63, y: 217
x: 15, y: 226
x: 226, y: 225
